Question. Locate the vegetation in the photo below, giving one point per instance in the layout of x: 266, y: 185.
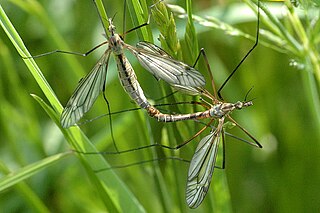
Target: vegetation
x: 41, y: 173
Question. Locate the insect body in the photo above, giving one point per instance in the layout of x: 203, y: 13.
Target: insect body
x: 176, y: 73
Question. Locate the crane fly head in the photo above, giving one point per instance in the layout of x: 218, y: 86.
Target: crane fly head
x: 240, y: 104
x: 112, y: 28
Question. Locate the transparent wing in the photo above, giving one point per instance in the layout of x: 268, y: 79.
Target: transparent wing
x: 202, y: 166
x: 86, y: 93
x: 163, y: 66
x: 152, y: 48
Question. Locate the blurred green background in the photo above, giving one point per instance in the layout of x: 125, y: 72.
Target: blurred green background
x: 281, y: 177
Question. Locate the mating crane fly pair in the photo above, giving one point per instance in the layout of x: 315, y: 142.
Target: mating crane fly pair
x: 153, y: 58
x: 179, y: 75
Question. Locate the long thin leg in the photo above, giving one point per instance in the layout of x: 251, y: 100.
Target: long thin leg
x: 69, y: 52
x: 143, y: 162
x: 245, y: 57
x: 144, y: 24
x: 139, y: 108
x: 256, y: 143
x: 127, y: 151
x: 110, y: 118
x: 165, y: 97
x: 151, y: 145
x: 203, y: 53
x: 168, y: 147
x: 196, y: 135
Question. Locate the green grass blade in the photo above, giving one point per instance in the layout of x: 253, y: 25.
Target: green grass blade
x: 22, y: 50
x: 29, y: 170
x: 27, y: 193
x: 139, y: 15
x: 102, y: 14
x: 107, y: 184
x: 190, y: 37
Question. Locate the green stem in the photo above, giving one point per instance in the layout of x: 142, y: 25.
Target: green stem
x: 309, y: 57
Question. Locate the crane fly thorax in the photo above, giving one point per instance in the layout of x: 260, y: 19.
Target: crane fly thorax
x: 116, y: 44
x: 222, y: 109
x: 216, y: 111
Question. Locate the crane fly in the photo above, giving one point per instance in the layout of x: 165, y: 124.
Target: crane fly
x: 178, y: 75
x: 159, y: 63
x: 203, y: 161
x: 153, y: 58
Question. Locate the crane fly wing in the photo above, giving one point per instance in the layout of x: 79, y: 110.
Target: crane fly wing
x: 152, y: 48
x: 202, y: 167
x: 163, y: 66
x: 86, y: 93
